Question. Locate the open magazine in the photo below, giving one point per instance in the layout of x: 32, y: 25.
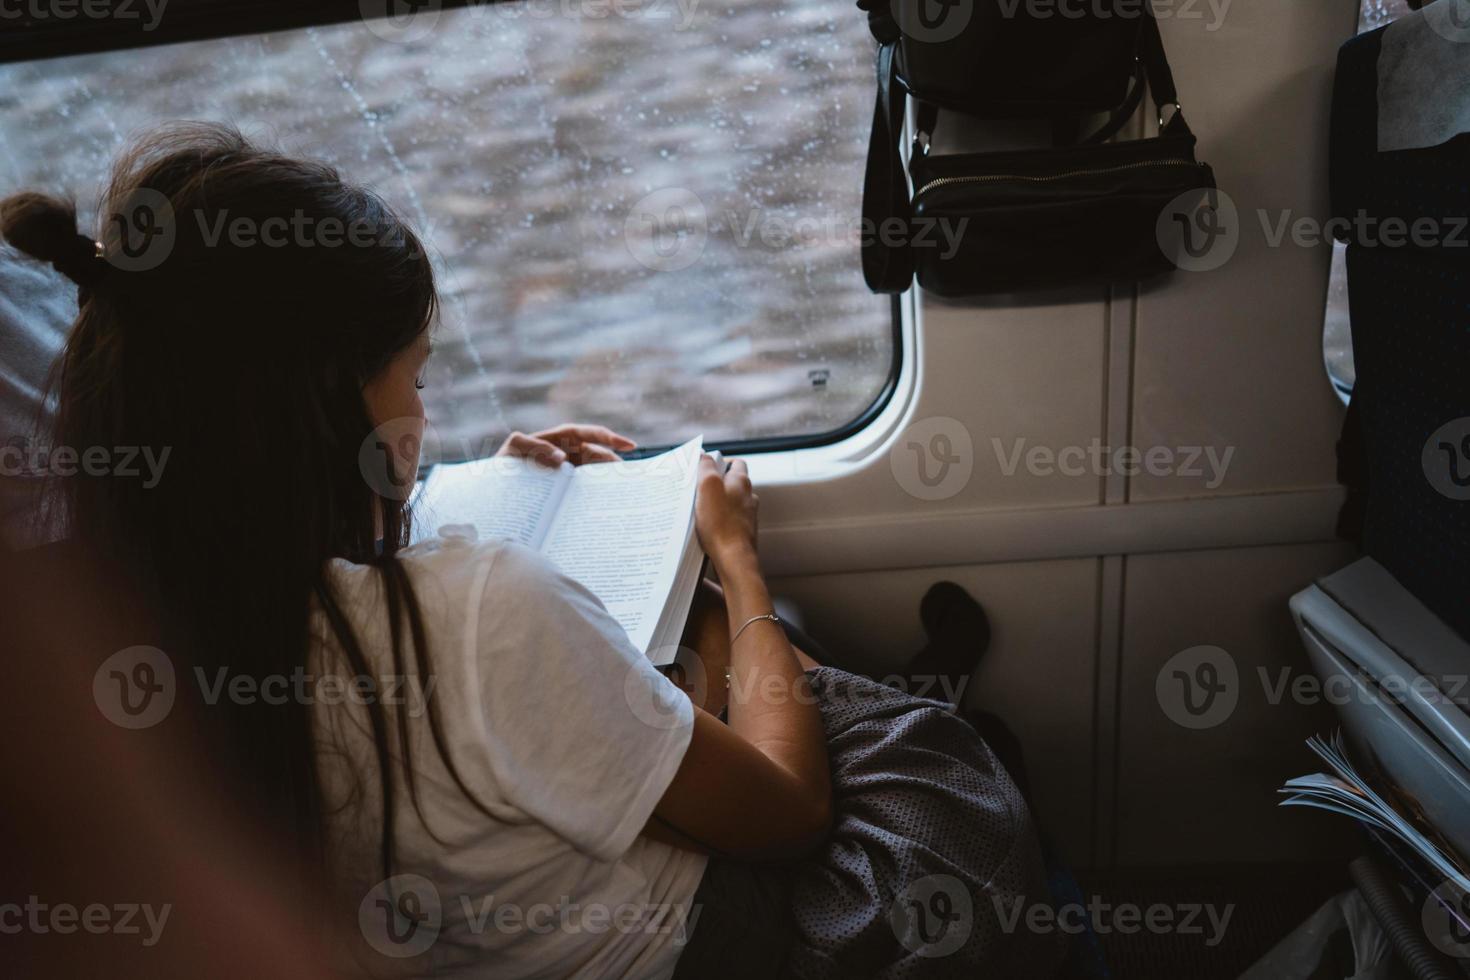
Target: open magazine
x: 624, y: 530
x: 1348, y: 793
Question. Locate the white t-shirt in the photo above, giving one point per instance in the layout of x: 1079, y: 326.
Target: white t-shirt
x: 564, y: 732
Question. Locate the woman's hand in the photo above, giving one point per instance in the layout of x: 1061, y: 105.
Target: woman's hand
x: 760, y: 787
x: 725, y: 510
x: 578, y: 443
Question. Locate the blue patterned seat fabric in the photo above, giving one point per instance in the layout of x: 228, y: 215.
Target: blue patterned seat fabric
x: 1406, y: 447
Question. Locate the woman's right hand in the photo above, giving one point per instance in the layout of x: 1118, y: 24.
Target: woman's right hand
x: 758, y: 788
x: 725, y: 510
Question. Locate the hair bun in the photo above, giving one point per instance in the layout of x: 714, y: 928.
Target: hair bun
x: 45, y: 228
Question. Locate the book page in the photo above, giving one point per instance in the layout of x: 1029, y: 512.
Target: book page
x: 502, y: 497
x: 622, y: 530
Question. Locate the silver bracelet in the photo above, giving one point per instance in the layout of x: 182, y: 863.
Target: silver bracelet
x: 754, y: 619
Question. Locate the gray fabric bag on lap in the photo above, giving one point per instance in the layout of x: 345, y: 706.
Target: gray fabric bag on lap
x: 929, y: 872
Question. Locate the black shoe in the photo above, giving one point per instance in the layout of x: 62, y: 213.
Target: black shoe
x: 959, y: 635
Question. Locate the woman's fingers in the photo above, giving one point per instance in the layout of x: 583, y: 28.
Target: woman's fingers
x: 591, y: 452
x: 579, y: 443
x: 587, y: 443
x: 532, y: 448
x: 737, y: 477
x: 579, y: 433
x: 711, y: 483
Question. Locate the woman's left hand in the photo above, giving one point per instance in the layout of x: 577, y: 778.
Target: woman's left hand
x: 578, y: 443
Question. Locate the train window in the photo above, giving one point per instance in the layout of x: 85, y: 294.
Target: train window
x: 644, y: 212
x: 1337, y: 334
x: 1337, y: 339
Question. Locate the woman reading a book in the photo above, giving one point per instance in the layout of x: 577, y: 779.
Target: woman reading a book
x: 495, y: 783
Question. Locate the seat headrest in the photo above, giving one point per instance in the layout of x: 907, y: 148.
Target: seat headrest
x: 1422, y: 96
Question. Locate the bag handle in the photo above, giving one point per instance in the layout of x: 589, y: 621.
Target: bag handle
x: 886, y: 268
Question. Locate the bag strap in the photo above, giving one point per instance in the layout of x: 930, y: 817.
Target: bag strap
x: 1156, y: 63
x: 1161, y: 79
x: 1119, y: 117
x: 886, y: 268
x: 1153, y: 67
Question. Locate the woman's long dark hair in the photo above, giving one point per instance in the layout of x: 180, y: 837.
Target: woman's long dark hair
x: 239, y: 304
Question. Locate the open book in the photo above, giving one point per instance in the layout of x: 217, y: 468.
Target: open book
x: 624, y: 530
x: 1345, y: 791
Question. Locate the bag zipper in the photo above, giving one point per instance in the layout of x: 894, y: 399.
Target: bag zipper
x: 991, y: 178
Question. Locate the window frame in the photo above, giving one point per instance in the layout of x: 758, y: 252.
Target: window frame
x: 202, y: 20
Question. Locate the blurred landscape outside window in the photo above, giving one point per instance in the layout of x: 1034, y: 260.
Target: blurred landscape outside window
x: 643, y: 214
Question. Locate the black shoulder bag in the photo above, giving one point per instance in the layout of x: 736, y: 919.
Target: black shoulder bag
x: 1025, y: 220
